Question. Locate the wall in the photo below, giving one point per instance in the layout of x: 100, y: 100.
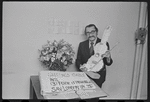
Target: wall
x: 25, y: 30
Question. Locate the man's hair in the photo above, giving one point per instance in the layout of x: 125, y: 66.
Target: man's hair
x: 90, y: 25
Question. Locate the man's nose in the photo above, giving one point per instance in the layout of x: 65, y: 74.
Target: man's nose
x: 91, y: 34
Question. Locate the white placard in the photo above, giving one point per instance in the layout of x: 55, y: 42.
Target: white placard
x: 57, y: 81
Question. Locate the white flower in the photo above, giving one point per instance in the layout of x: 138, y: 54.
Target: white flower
x: 52, y: 59
x: 44, y: 58
x: 47, y: 49
x: 44, y: 52
x: 47, y: 58
x: 63, y: 59
x: 51, y: 48
x: 67, y: 52
x: 64, y: 48
x: 55, y: 43
x: 58, y: 56
x: 53, y: 55
x: 65, y: 62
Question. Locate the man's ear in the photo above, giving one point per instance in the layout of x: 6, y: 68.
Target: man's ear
x: 97, y: 34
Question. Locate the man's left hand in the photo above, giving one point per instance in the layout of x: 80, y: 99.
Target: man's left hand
x: 106, y: 54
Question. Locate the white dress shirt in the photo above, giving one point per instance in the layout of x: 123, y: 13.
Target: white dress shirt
x: 94, y: 42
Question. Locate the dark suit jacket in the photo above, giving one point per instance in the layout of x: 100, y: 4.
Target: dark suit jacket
x: 84, y: 54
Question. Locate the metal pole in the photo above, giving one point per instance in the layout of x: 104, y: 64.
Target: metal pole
x: 143, y: 61
x: 138, y: 54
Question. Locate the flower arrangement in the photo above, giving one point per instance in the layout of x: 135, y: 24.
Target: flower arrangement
x: 57, y: 55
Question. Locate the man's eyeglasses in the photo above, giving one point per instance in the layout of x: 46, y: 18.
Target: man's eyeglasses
x: 92, y: 32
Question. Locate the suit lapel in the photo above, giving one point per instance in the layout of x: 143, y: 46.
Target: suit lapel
x: 98, y: 40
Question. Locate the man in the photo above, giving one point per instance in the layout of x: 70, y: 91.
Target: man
x: 91, y: 31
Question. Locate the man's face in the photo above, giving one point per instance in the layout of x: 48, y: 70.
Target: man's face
x: 91, y: 33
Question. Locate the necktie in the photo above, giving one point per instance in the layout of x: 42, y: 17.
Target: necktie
x: 91, y: 49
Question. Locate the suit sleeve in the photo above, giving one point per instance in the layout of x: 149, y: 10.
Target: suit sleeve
x: 79, y: 57
x: 105, y: 60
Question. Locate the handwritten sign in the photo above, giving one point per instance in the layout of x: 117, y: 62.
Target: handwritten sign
x: 56, y: 81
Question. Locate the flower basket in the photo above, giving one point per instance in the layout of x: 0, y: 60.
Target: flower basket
x: 57, y: 55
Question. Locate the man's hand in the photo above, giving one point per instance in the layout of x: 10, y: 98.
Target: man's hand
x: 83, y: 68
x: 106, y: 54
